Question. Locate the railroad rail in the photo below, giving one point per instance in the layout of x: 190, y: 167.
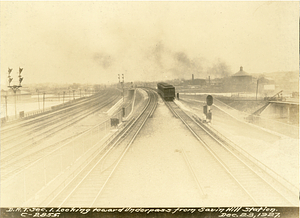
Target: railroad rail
x: 194, y: 174
x: 26, y: 126
x: 92, y: 179
x: 65, y: 107
x: 26, y: 151
x: 258, y: 185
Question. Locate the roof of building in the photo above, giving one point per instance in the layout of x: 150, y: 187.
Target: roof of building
x: 241, y: 73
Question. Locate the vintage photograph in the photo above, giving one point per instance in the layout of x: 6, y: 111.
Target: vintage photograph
x: 123, y: 106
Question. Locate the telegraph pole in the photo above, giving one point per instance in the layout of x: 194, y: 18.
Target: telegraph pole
x: 43, y: 101
x: 64, y: 97
x: 15, y: 87
x: 256, y: 89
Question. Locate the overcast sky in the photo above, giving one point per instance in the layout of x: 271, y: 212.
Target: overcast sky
x: 91, y: 42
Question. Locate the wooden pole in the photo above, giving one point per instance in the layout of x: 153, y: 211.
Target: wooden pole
x: 256, y: 89
x: 43, y: 101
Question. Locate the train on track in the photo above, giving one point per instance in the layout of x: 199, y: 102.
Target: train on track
x: 166, y: 91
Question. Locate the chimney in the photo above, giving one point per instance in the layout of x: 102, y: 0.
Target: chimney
x: 193, y: 77
x: 241, y: 68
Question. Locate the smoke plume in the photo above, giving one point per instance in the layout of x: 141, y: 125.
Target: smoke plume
x: 103, y: 59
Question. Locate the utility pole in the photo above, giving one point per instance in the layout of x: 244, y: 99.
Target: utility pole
x: 256, y: 89
x: 64, y: 97
x: 43, y: 101
x: 15, y: 87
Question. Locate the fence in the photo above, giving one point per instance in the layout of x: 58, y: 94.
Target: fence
x: 24, y: 185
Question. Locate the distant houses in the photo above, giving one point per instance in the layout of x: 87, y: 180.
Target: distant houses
x: 265, y: 84
x: 20, y: 94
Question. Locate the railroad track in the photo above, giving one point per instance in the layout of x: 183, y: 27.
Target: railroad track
x: 29, y: 126
x: 18, y: 164
x: 258, y: 186
x: 194, y: 174
x: 15, y: 158
x: 88, y: 187
x: 61, y: 122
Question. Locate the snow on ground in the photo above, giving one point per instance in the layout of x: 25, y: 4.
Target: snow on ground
x: 139, y: 101
x: 154, y: 173
x: 278, y: 152
x: 33, y: 104
x: 182, y: 106
x: 26, y: 107
x: 72, y: 131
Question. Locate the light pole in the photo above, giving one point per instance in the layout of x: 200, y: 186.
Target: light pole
x: 15, y: 87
